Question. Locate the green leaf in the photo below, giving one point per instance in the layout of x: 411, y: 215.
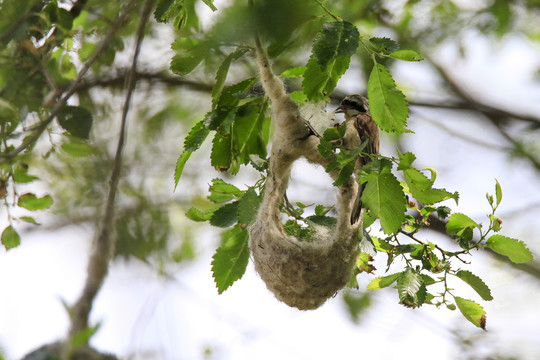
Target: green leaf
x: 21, y: 176
x: 294, y: 72
x: 10, y: 238
x: 458, y: 223
x: 210, y: 4
x: 357, y: 303
x: 248, y: 206
x: 29, y: 220
x: 387, y: 104
x: 180, y: 163
x: 498, y: 191
x: 514, y: 249
x: 383, y: 281
x: 384, y: 45
x: 420, y: 188
x: 76, y: 120
x: 231, y: 258
x: 336, y: 39
x: 196, y: 137
x: 408, y: 283
x: 406, y: 55
x: 198, y: 215
x: 322, y: 220
x: 31, y: 202
x: 384, y: 196
x: 78, y: 148
x: 189, y: 53
x: 222, y: 71
x: 221, y: 156
x: 248, y: 132
x: 319, y: 83
x: 221, y: 187
x: 476, y: 283
x: 472, y: 312
x: 225, y: 216
x: 162, y: 8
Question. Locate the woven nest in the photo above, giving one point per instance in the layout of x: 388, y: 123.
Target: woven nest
x: 302, y: 274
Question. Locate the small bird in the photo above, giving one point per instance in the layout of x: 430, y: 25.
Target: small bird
x: 359, y: 127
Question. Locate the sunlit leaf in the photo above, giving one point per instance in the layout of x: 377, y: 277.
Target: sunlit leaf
x: 472, y: 312
x: 30, y: 201
x: 406, y: 55
x: 383, y: 281
x: 514, y: 249
x: 387, y: 103
x: 10, y: 238
x: 476, y: 283
x: 231, y: 258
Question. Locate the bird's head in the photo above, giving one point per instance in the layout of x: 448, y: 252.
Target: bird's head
x: 353, y: 105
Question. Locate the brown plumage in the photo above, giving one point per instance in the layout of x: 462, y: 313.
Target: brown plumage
x: 359, y: 127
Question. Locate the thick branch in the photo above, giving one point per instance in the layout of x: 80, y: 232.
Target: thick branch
x: 104, y: 246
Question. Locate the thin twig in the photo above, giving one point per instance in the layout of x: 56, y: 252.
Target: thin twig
x: 104, y: 246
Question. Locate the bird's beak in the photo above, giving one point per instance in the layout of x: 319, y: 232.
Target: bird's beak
x: 339, y: 110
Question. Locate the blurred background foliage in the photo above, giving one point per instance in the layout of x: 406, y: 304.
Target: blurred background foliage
x: 44, y: 44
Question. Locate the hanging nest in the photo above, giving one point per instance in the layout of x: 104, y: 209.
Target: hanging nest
x: 301, y: 274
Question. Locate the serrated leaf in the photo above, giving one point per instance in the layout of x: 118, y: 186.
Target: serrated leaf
x: 221, y: 187
x: 384, y: 196
x: 363, y: 263
x: 180, y: 164
x: 248, y: 132
x: 162, y: 8
x: 225, y: 216
x: 231, y: 258
x: 388, y: 106
x: 31, y: 202
x: 472, y: 312
x: 408, y: 283
x: 221, y: 156
x: 336, y: 39
x: 10, y: 238
x: 222, y: 71
x: 248, y: 206
x: 476, y: 283
x: 76, y: 120
x: 420, y: 188
x: 383, y: 281
x: 514, y: 249
x: 198, y: 215
x: 319, y: 83
x: 458, y: 223
x: 196, y: 136
x: 498, y: 191
x: 384, y: 45
x: 406, y: 55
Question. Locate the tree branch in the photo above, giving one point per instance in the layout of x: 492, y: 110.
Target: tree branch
x: 104, y: 246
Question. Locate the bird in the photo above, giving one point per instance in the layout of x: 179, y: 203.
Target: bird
x: 359, y: 127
